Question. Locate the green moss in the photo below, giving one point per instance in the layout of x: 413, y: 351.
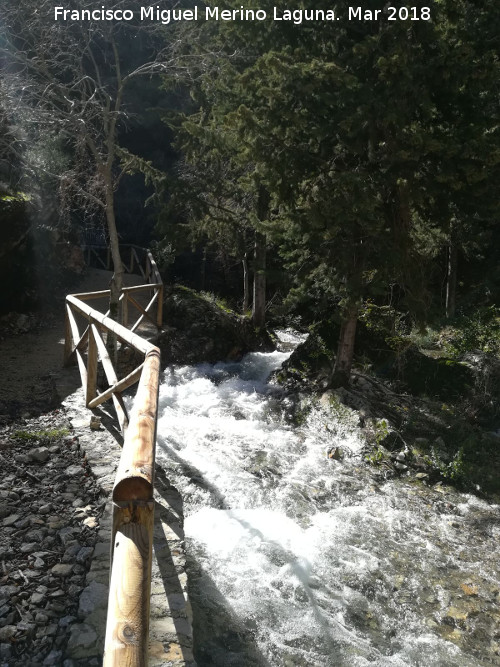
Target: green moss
x: 17, y: 196
x: 218, y: 301
x: 49, y: 434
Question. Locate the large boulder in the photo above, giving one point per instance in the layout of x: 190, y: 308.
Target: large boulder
x: 198, y: 328
x: 309, y: 367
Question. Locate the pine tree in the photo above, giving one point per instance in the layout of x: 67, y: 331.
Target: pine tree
x: 373, y: 139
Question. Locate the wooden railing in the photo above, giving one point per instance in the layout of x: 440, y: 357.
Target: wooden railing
x: 135, y: 260
x: 87, y: 329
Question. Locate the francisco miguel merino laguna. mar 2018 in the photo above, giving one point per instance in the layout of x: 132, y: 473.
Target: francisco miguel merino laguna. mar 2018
x: 297, y: 16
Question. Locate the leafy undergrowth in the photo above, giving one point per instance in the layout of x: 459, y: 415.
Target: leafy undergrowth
x: 429, y: 403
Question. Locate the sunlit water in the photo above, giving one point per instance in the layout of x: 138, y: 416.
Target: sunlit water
x: 298, y: 559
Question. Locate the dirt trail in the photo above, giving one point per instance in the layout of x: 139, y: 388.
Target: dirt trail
x: 30, y: 362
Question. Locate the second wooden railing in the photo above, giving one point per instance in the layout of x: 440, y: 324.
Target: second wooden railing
x: 87, y: 328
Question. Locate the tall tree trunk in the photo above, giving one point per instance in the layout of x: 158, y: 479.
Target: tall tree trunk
x: 345, y: 350
x: 116, y: 283
x: 259, y: 270
x: 246, y: 284
x: 203, y: 271
x: 259, y: 282
x: 451, y: 281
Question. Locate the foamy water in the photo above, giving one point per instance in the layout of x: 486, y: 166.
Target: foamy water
x: 296, y: 559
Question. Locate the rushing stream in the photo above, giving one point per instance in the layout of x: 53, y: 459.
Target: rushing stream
x: 299, y: 559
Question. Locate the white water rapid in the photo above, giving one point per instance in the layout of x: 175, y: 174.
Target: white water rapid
x: 299, y: 559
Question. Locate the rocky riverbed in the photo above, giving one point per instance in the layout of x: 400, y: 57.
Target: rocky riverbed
x: 49, y: 513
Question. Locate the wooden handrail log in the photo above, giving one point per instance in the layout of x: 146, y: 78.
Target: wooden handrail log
x: 146, y: 286
x: 84, y: 296
x: 118, y: 387
x: 135, y: 475
x: 126, y: 643
x: 123, y: 334
x: 92, y: 295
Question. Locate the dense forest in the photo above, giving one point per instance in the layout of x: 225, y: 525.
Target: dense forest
x: 337, y: 176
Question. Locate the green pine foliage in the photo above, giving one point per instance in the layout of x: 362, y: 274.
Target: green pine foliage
x: 377, y: 142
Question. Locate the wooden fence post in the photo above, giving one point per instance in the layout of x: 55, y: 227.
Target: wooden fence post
x: 91, y: 368
x: 127, y: 627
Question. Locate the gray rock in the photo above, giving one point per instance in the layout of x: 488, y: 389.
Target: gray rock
x: 5, y: 651
x: 65, y: 621
x: 66, y: 535
x: 7, y: 591
x: 37, y: 598
x: 39, y: 454
x: 22, y: 523
x: 39, y: 563
x: 59, y: 593
x: 62, y: 569
x: 95, y: 423
x: 41, y: 618
x: 93, y: 597
x: 51, y: 629
x: 11, y: 520
x: 72, y: 471
x: 36, y: 536
x: 82, y: 637
x: 53, y: 658
x: 28, y: 627
x: 7, y: 632
x: 84, y: 554
x: 10, y: 619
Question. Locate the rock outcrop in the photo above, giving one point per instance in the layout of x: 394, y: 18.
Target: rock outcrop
x: 198, y: 328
